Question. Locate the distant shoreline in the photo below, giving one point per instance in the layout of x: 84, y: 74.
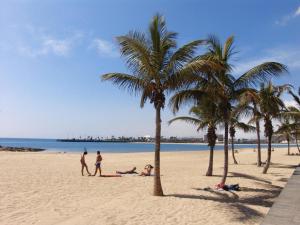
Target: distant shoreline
x: 20, y: 149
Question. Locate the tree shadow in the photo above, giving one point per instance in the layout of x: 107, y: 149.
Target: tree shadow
x: 250, y: 177
x: 238, y: 209
x: 283, y: 179
x: 283, y: 166
x: 218, y: 175
x: 235, y: 203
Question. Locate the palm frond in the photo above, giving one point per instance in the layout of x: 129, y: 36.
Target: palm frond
x: 186, y: 119
x: 185, y: 97
x: 245, y: 127
x: 135, y: 49
x: 228, y: 49
x: 132, y: 84
x: 295, y: 97
x: 261, y: 73
x: 182, y: 56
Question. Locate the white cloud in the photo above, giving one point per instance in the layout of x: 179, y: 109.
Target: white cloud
x: 284, y: 20
x: 47, y: 46
x: 287, y: 56
x: 104, y: 48
x: 34, y: 41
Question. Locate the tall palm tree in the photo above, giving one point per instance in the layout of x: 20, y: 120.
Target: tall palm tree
x: 233, y: 124
x: 157, y: 67
x: 294, y: 113
x: 249, y: 105
x: 204, y: 115
x: 271, y: 106
x: 226, y: 88
x: 285, y: 130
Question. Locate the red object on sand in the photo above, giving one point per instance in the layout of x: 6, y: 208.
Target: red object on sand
x: 220, y: 186
x: 113, y: 175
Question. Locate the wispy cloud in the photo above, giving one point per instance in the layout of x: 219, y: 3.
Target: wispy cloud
x: 47, y: 46
x: 287, y: 18
x: 34, y: 41
x: 287, y: 56
x: 104, y: 48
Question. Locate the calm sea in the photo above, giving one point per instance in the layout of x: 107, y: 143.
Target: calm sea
x: 53, y: 145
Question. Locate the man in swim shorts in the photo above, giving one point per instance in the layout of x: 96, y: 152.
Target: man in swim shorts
x: 98, y: 163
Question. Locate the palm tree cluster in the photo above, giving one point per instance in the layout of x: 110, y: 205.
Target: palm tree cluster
x: 205, y: 82
x: 289, y: 127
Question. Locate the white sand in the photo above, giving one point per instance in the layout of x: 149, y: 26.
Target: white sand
x: 47, y: 188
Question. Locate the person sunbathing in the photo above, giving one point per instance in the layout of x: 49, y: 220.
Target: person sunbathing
x: 132, y: 171
x: 147, y: 170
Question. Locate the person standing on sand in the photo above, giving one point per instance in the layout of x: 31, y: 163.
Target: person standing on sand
x: 83, y: 164
x: 98, y: 163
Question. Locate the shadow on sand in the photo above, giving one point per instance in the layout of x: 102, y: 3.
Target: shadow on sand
x: 283, y: 166
x: 240, y: 207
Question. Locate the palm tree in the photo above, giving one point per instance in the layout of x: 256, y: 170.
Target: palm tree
x: 233, y: 124
x: 225, y: 88
x: 205, y: 115
x: 285, y: 130
x: 271, y: 106
x: 249, y: 105
x: 158, y: 67
x: 294, y: 113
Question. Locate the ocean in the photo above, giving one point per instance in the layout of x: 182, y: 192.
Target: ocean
x: 56, y: 146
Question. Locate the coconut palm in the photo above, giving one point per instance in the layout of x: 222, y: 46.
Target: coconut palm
x: 271, y: 107
x: 294, y: 113
x: 233, y: 124
x: 249, y: 105
x: 225, y: 88
x: 204, y: 115
x: 285, y: 130
x: 157, y: 67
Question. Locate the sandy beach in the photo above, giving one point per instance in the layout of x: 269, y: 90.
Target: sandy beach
x: 47, y: 188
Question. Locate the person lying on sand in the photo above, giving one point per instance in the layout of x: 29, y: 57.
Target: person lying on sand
x: 83, y: 164
x: 147, y: 170
x: 98, y: 164
x: 132, y: 171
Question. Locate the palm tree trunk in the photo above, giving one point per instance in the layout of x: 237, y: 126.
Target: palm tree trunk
x: 296, y: 137
x: 211, y: 161
x: 288, y: 141
x: 158, y: 191
x: 258, y: 143
x: 225, y: 154
x: 269, y: 154
x: 232, y: 149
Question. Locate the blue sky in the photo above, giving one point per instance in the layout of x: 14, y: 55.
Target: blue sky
x: 52, y: 54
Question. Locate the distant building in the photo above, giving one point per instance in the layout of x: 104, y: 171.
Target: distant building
x: 220, y: 138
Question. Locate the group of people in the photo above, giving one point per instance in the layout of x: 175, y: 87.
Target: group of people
x: 97, y: 164
x: 146, y: 172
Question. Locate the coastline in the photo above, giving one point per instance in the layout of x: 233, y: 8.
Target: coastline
x: 54, y: 192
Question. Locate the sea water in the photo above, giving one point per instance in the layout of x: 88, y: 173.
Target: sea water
x: 53, y: 145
